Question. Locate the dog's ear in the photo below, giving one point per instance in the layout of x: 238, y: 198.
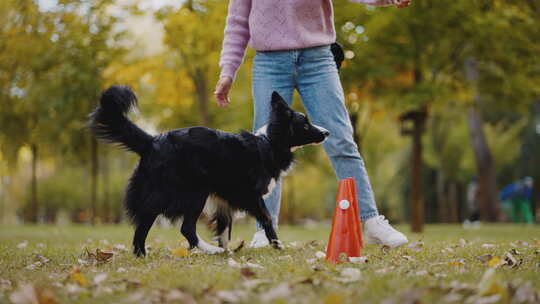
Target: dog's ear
x: 279, y: 105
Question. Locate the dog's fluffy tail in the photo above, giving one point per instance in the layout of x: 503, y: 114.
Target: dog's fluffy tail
x: 110, y: 122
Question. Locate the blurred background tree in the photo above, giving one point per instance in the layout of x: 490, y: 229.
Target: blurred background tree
x: 465, y: 72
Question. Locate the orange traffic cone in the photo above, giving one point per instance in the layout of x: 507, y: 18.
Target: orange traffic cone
x: 346, y: 235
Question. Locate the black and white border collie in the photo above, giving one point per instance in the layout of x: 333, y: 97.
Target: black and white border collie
x: 181, y: 169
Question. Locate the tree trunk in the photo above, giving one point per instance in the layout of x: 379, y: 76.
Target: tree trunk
x: 441, y: 197
x: 417, y: 210
x: 94, y: 180
x: 488, y: 198
x: 2, y: 192
x: 201, y: 87
x: 33, y: 186
x: 453, y: 201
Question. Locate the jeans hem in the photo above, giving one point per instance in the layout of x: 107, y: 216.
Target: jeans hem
x: 369, y: 215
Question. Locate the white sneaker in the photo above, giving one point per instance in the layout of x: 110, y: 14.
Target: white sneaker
x: 259, y: 240
x: 377, y: 230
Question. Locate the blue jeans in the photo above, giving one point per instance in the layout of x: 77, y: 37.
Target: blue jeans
x: 314, y: 74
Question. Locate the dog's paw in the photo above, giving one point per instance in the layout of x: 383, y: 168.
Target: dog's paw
x: 209, y: 249
x: 277, y: 244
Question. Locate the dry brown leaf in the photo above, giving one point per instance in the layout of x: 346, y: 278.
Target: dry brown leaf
x: 103, y: 256
x: 246, y: 272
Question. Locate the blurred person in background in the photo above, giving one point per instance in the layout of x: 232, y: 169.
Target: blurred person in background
x: 518, y: 196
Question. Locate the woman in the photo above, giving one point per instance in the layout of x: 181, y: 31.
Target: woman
x: 292, y: 39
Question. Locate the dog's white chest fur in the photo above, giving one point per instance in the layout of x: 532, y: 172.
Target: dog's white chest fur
x: 271, y: 188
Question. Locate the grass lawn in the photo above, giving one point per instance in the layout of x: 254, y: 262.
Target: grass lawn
x: 446, y: 264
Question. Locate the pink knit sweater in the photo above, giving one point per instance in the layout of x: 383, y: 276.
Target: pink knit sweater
x: 277, y: 25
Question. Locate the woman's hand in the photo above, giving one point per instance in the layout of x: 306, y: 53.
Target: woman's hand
x: 402, y: 3
x: 222, y: 91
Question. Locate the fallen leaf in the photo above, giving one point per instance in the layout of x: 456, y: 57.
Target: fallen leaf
x: 385, y: 248
x: 448, y: 250
x: 522, y: 243
x: 359, y: 260
x: 253, y: 265
x: 103, y: 256
x: 491, y: 284
x: 78, y: 277
x: 5, y: 285
x: 320, y: 255
x: 246, y: 272
x: 349, y: 275
x: 495, y: 262
x: 408, y: 258
x: 99, y: 278
x: 25, y: 294
x: 180, y: 252
x: 231, y: 296
x: 458, y: 262
x: 22, y: 244
x: 233, y: 263
x: 179, y: 296
x: 416, y: 246
x: 283, y: 290
x: 28, y: 294
x: 120, y: 247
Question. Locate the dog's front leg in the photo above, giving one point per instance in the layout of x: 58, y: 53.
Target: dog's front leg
x: 263, y: 216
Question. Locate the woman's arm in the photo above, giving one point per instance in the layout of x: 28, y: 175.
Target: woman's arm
x: 236, y: 37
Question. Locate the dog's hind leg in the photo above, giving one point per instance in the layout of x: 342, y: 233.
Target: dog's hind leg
x: 223, y: 218
x: 143, y: 223
x: 189, y: 226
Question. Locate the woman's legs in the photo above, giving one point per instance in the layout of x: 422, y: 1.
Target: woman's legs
x: 272, y: 71
x: 322, y: 95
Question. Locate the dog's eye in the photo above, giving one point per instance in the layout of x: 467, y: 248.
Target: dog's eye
x: 306, y: 127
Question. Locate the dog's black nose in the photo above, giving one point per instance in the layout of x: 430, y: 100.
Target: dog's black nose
x: 326, y: 133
